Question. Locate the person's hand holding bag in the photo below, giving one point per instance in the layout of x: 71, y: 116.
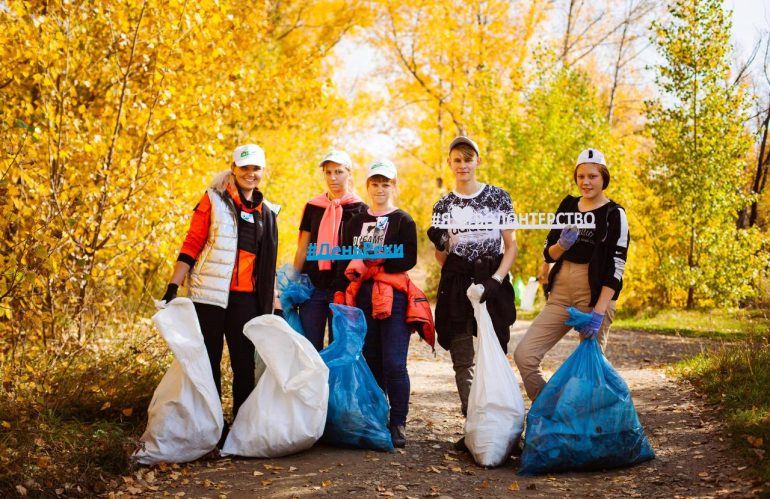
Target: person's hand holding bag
x: 592, y: 328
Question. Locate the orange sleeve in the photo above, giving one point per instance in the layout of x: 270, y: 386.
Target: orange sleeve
x: 199, y: 230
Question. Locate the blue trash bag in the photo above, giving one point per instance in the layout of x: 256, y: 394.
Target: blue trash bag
x: 577, y: 319
x: 294, y: 289
x: 583, y: 419
x: 358, y: 411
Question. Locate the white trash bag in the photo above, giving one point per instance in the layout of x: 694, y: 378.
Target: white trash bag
x: 495, y: 407
x: 529, y: 295
x: 185, y: 415
x: 286, y: 411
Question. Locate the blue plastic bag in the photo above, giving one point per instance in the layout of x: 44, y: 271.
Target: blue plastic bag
x: 577, y: 319
x: 294, y: 289
x: 358, y: 410
x: 583, y: 419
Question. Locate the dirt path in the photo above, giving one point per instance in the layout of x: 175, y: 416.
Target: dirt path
x: 693, y: 455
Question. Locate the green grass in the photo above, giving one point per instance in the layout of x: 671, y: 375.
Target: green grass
x: 724, y: 324
x: 737, y: 377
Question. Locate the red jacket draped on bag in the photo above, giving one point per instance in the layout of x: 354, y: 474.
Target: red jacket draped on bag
x: 418, y: 314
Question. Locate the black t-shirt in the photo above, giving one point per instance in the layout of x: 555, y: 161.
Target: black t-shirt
x: 397, y: 227
x: 250, y: 224
x: 583, y: 249
x: 311, y: 221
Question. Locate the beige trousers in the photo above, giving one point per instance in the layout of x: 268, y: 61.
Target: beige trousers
x: 570, y: 289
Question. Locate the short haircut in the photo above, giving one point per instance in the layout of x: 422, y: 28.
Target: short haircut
x: 603, y: 171
x: 380, y: 178
x: 466, y: 151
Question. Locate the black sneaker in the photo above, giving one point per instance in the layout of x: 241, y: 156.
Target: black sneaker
x: 460, y: 445
x: 398, y: 436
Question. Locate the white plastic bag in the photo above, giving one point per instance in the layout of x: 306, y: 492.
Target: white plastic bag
x: 286, y: 411
x: 529, y: 295
x: 495, y: 406
x: 185, y: 415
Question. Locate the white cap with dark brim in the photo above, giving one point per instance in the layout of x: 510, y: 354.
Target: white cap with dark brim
x: 591, y: 155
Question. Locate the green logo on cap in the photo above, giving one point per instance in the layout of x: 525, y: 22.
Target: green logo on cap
x: 245, y: 153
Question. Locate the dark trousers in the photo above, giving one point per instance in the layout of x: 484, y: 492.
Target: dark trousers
x: 462, y: 352
x: 218, y: 324
x: 315, y: 316
x: 385, y: 349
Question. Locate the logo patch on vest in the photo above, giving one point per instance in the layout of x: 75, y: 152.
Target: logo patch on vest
x: 248, y: 217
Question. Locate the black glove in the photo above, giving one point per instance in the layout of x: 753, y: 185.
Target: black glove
x: 438, y: 237
x: 491, y: 286
x: 170, y: 292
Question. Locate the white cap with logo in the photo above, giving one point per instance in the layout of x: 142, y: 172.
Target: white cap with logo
x: 383, y: 167
x: 591, y: 156
x: 339, y: 157
x: 249, y: 155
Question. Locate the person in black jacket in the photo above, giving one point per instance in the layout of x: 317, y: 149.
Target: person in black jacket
x: 471, y: 255
x: 587, y: 273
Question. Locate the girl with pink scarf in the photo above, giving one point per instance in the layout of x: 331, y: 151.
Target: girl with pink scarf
x: 322, y: 222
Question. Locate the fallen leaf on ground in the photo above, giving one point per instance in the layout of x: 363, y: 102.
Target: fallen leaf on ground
x: 514, y: 485
x: 257, y: 473
x: 485, y: 484
x: 266, y: 483
x: 326, y: 483
x: 755, y: 441
x: 128, y: 411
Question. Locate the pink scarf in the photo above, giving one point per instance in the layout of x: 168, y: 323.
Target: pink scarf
x: 328, y: 232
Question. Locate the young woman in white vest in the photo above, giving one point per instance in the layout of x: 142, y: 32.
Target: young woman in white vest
x: 229, y: 257
x: 587, y: 270
x: 322, y: 222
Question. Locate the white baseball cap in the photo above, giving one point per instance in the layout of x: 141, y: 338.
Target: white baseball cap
x: 383, y: 167
x: 339, y: 157
x: 464, y: 140
x: 249, y: 155
x: 591, y: 156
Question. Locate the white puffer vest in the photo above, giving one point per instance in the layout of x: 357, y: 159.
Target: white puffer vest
x: 210, y: 277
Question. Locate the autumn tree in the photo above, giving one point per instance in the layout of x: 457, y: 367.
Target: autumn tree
x: 114, y: 118
x: 699, y: 158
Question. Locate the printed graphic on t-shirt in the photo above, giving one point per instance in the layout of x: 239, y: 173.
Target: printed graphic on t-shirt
x: 472, y: 244
x: 586, y: 236
x: 372, y: 232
